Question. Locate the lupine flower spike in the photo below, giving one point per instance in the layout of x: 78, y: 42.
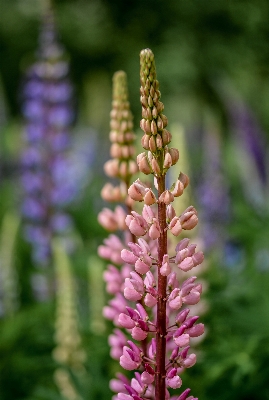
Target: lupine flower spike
x: 161, y: 313
x: 121, y: 166
x: 48, y: 113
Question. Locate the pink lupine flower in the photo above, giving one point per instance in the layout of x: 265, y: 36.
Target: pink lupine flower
x: 128, y: 256
x: 150, y: 198
x: 138, y: 333
x: 165, y: 269
x: 117, y: 385
x: 170, y: 213
x: 150, y: 300
x: 189, y: 361
x: 136, y: 224
x: 189, y: 218
x: 173, y: 380
x: 175, y: 300
x: 130, y: 359
x: 126, y: 321
x: 116, y: 341
x: 154, y: 230
x: 175, y: 226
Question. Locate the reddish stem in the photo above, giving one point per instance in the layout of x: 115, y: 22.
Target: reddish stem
x: 161, y: 305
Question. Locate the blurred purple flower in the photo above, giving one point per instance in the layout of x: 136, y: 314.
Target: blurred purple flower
x: 47, y: 176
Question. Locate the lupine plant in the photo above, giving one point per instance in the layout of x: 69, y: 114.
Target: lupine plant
x: 48, y: 113
x: 160, y: 320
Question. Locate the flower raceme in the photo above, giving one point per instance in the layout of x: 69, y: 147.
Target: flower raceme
x: 160, y: 321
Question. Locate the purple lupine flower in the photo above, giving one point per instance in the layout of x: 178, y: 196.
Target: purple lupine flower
x: 47, y: 107
x: 212, y: 192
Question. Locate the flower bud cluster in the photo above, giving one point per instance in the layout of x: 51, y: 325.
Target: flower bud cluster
x: 122, y: 164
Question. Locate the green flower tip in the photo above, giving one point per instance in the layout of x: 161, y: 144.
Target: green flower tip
x: 147, y: 66
x: 120, y: 89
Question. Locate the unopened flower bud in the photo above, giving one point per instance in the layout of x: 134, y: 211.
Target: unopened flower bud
x: 189, y: 218
x: 174, y: 154
x: 155, y: 166
x: 152, y: 144
x: 175, y: 226
x: 150, y: 198
x: 111, y: 167
x: 145, y: 141
x: 170, y: 213
x: 153, y: 128
x: 167, y: 161
x: 166, y: 197
x: 143, y: 164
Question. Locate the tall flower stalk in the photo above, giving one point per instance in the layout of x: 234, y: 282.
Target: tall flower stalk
x: 122, y: 167
x: 48, y: 112
x: 154, y: 285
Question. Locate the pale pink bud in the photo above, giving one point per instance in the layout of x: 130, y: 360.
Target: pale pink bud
x: 128, y: 360
x: 167, y: 161
x: 182, y: 315
x: 143, y: 164
x: 142, y: 312
x: 126, y: 321
x: 198, y: 258
x: 175, y: 300
x: 141, y: 267
x: 196, y: 330
x: 136, y: 191
x: 136, y: 224
x: 153, y: 127
x: 123, y: 396
x: 131, y: 294
x: 159, y: 142
x: 154, y: 230
x: 150, y: 198
x: 152, y: 144
x: 150, y: 301
x: 189, y: 361
x: 166, y: 137
x: 155, y: 166
x: 165, y: 269
x: 182, y: 244
x: 174, y: 155
x: 170, y: 212
x: 184, y: 395
x: 172, y: 281
x: 187, y: 264
x: 192, y: 298
x: 111, y: 167
x: 145, y: 141
x: 107, y: 220
x: 181, y: 255
x: 144, y: 246
x: 184, y: 179
x: 147, y: 378
x: 174, y: 382
x: 182, y: 340
x: 138, y: 334
x: 175, y: 226
x: 111, y: 193
x: 166, y: 197
x: 149, y: 280
x: 148, y: 214
x: 189, y: 218
x: 178, y: 189
x: 128, y: 256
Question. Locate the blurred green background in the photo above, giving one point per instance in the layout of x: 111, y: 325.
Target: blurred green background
x: 212, y: 62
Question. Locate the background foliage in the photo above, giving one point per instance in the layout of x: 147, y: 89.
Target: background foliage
x: 212, y: 60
